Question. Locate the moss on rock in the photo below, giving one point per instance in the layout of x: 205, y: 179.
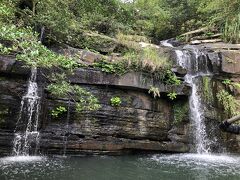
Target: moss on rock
x: 92, y: 41
x: 207, y: 89
x: 181, y: 111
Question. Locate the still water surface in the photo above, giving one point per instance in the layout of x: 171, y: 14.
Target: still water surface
x: 150, y: 167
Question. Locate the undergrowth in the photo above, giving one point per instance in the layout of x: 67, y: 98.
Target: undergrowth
x: 229, y: 103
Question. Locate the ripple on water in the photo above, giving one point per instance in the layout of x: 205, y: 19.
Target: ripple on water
x: 217, y: 164
x: 161, y: 166
x: 210, y: 159
x: 27, y: 167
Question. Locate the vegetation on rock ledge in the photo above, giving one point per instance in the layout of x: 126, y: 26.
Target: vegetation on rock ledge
x: 180, y: 111
x: 115, y: 101
x: 228, y: 102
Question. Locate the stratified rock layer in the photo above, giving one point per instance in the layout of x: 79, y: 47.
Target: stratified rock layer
x: 140, y: 123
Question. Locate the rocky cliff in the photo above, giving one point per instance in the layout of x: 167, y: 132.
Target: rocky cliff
x: 140, y: 123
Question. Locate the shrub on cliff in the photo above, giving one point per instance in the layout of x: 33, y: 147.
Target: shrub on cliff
x: 147, y: 59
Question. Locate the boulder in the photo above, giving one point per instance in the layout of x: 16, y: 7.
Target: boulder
x: 9, y: 65
x: 231, y: 62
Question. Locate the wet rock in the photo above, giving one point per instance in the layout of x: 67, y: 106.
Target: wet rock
x: 179, y: 71
x: 215, y: 60
x: 140, y: 123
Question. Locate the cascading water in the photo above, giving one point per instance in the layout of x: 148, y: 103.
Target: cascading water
x: 196, y: 64
x: 25, y: 135
x: 166, y: 43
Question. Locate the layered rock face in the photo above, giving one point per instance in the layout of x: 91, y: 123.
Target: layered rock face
x: 229, y: 71
x: 140, y: 123
x: 225, y: 65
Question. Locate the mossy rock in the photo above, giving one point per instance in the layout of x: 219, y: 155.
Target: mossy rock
x: 207, y: 90
x: 181, y: 112
x: 92, y: 41
x: 99, y: 42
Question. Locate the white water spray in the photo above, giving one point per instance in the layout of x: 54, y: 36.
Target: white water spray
x: 166, y: 43
x: 196, y: 69
x: 30, y: 105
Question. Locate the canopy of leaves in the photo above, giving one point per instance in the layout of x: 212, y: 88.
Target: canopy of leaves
x: 66, y: 21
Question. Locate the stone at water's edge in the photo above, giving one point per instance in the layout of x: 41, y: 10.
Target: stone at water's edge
x: 141, y: 123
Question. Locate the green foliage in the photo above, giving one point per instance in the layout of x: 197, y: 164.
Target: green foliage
x: 227, y: 81
x: 180, y: 38
x: 162, y: 19
x: 171, y: 78
x: 84, y: 100
x: 148, y: 59
x: 5, y: 50
x: 56, y: 16
x: 65, y: 21
x: 60, y: 89
x: 180, y: 112
x: 24, y: 42
x: 237, y: 85
x: 115, y: 101
x: 172, y: 95
x: 223, y: 14
x: 228, y: 102
x: 103, y: 16
x: 231, y: 30
x: 128, y: 38
x: 155, y: 91
x: 207, y: 90
x: 58, y: 111
x: 7, y: 10
x: 69, y: 21
x: 13, y: 33
x: 130, y: 42
x: 152, y: 19
x: 111, y: 67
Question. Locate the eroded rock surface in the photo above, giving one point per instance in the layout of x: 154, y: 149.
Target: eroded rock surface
x: 140, y: 123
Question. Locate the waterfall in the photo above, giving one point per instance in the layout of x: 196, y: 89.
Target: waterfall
x: 166, y: 43
x: 26, y: 131
x: 195, y: 62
